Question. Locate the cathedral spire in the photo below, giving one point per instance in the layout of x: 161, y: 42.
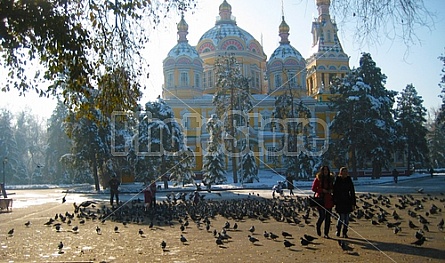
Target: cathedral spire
x: 284, y: 32
x: 182, y: 30
x: 323, y: 8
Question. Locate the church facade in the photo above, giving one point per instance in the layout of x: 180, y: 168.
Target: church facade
x: 189, y: 81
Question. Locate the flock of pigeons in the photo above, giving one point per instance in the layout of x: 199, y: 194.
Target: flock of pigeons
x: 182, y: 212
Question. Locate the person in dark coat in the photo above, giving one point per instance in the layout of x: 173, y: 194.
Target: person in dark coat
x: 114, y: 189
x: 323, y: 187
x: 290, y: 183
x: 344, y: 200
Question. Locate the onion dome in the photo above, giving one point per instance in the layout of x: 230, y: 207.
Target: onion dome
x: 285, y: 50
x: 183, y: 48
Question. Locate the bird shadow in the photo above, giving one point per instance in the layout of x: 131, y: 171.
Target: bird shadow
x: 222, y: 247
x: 406, y: 249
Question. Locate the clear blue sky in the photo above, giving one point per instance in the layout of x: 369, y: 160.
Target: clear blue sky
x: 418, y: 65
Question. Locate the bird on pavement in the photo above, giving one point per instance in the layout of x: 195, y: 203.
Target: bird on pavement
x: 252, y: 229
x: 419, y: 242
x: 64, y: 198
x: 28, y: 223
x: 266, y: 234
x: 309, y: 237
x: 235, y: 226
x: 286, y: 234
x: 163, y: 244
x: 75, y: 229
x: 60, y: 246
x: 183, y: 239
x: 219, y: 241
x: 252, y: 239
x: 116, y: 229
x: 98, y: 230
x: 273, y: 236
x: 304, y: 242
x: 11, y: 232
x: 411, y: 224
x: 288, y: 244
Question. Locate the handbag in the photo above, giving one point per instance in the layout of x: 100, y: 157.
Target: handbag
x: 315, y: 201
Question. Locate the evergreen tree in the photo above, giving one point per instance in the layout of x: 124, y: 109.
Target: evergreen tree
x: 158, y: 138
x: 232, y: 100
x: 293, y: 113
x: 9, y: 152
x: 364, y: 122
x: 182, y: 171
x: 410, y: 121
x: 248, y: 168
x: 213, y: 161
x: 436, y: 143
x: 441, y: 116
x: 58, y: 144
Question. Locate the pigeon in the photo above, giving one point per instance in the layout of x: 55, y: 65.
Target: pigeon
x: 182, y: 228
x: 419, y: 242
x: 28, y: 223
x: 116, y: 229
x: 273, y: 236
x: 141, y: 232
x: 286, y: 234
x: 75, y: 229
x: 11, y: 232
x: 183, y: 239
x: 60, y: 246
x: 252, y: 239
x: 288, y: 244
x: 266, y: 235
x: 98, y: 230
x: 64, y: 198
x: 219, y: 241
x: 163, y: 245
x: 252, y: 229
x: 309, y: 237
x: 227, y: 225
x: 304, y: 242
x: 235, y: 226
x: 419, y: 234
x: 397, y: 229
x: 411, y: 224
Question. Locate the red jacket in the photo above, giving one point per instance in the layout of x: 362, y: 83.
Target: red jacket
x: 328, y: 185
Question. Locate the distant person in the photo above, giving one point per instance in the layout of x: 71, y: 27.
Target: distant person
x: 114, y: 184
x: 395, y: 175
x: 196, y: 198
x: 153, y: 189
x: 344, y: 200
x: 290, y: 184
x: 431, y: 171
x: 148, y: 197
x: 323, y: 186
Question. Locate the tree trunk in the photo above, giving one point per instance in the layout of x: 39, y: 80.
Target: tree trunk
x: 354, y: 162
x: 95, y: 174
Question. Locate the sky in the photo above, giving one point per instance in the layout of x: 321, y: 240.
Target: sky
x: 418, y: 65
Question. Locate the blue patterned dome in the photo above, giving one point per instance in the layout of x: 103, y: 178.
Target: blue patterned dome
x: 183, y: 49
x: 226, y: 35
x: 285, y: 51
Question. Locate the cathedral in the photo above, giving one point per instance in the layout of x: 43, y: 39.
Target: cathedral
x: 189, y: 80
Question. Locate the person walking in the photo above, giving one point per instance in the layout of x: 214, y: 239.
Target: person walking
x: 323, y: 186
x: 153, y: 194
x: 290, y: 184
x: 395, y: 175
x: 114, y: 184
x: 344, y: 200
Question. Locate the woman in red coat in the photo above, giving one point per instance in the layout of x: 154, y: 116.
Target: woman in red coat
x: 323, y: 186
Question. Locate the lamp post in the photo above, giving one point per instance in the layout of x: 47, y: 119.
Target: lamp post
x: 5, y: 161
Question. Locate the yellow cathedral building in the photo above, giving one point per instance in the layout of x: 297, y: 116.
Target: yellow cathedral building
x: 189, y: 80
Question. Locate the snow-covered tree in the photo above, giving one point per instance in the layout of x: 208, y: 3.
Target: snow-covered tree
x: 8, y: 148
x: 248, y: 168
x: 441, y: 116
x: 182, y: 171
x: 410, y: 121
x: 363, y: 126
x: 213, y: 162
x: 232, y: 100
x: 158, y: 138
x: 58, y: 144
x: 436, y: 143
x: 292, y: 111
